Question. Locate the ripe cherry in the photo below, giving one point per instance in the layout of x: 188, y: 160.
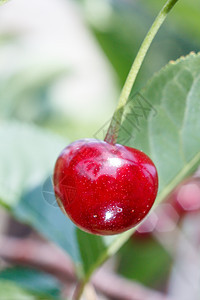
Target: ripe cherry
x: 104, y: 189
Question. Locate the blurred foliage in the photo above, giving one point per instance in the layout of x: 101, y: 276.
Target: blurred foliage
x: 11, y: 291
x: 184, y: 19
x: 3, y: 1
x: 42, y: 285
x: 121, y: 31
x: 25, y: 93
x: 36, y: 209
x: 143, y: 259
x: 27, y: 156
x: 28, y: 150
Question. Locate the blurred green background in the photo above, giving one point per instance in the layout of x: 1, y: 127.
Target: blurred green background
x: 63, y: 63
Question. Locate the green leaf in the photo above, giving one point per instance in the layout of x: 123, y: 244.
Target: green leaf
x: 36, y: 282
x: 144, y: 260
x: 35, y: 210
x: 27, y: 158
x: 168, y: 126
x: 91, y: 247
x: 9, y: 291
x: 163, y: 121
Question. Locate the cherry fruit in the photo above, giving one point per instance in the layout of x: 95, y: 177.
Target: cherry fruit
x: 104, y: 189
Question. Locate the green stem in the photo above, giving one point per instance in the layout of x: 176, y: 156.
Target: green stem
x: 112, y: 134
x: 79, y: 290
x: 113, y: 131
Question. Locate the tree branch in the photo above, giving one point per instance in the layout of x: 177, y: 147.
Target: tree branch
x: 44, y: 256
x: 49, y: 258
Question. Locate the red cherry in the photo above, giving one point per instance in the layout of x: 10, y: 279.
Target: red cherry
x: 104, y: 189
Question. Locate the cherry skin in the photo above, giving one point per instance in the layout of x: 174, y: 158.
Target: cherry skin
x: 104, y: 189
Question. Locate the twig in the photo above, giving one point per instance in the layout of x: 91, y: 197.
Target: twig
x: 118, y: 288
x: 51, y: 259
x: 40, y: 255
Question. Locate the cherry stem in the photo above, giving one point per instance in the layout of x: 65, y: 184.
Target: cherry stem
x: 113, y: 130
